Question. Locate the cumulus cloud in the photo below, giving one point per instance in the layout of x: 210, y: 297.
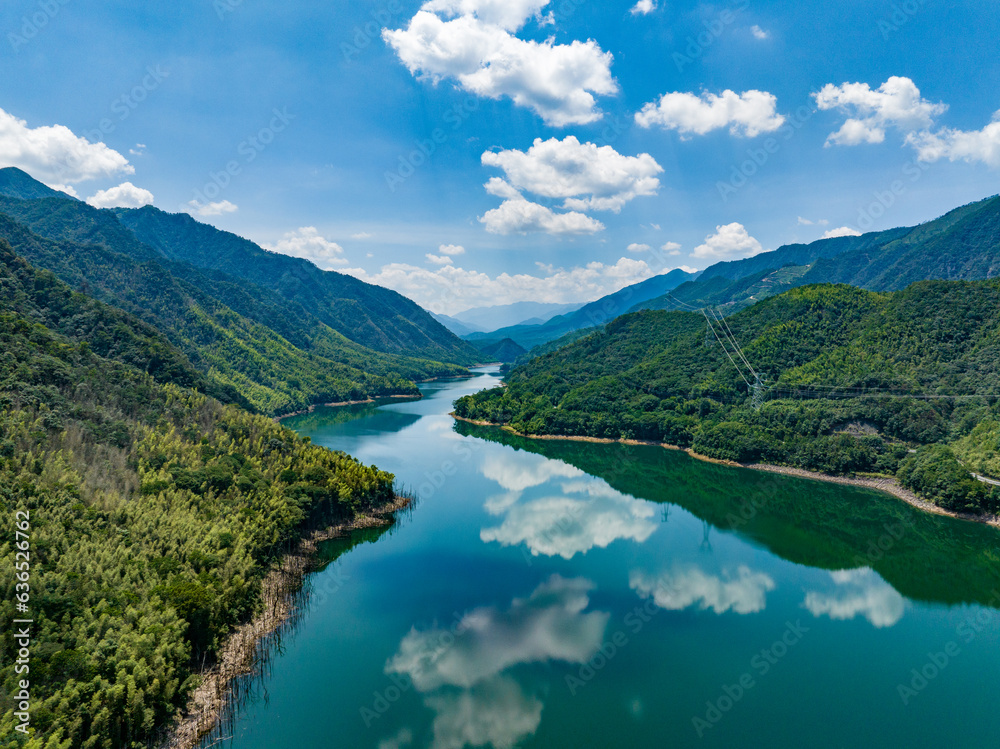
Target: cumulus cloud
x: 217, y: 208
x: 747, y: 115
x: 729, y: 242
x: 859, y: 592
x: 960, y: 145
x: 451, y: 289
x: 464, y: 671
x: 643, y: 7
x: 637, y: 247
x: 126, y: 195
x: 521, y: 216
x: 843, y: 231
x: 896, y: 103
x: 474, y: 42
x: 451, y: 249
x: 55, y: 155
x: 584, y: 175
x: 744, y: 592
x: 362, y: 235
x: 808, y: 222
x: 309, y: 244
x: 439, y: 259
x: 759, y: 33
x: 672, y: 248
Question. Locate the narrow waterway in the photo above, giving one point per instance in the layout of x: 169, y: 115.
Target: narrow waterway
x: 561, y: 594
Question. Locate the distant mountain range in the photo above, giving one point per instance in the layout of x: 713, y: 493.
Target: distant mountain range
x: 276, y: 331
x: 964, y: 244
x: 589, y: 315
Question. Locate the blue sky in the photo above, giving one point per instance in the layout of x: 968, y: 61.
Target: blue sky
x: 364, y: 149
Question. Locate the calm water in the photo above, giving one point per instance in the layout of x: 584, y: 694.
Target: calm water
x: 559, y: 594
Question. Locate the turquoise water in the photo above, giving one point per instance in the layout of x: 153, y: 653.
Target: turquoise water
x: 561, y: 594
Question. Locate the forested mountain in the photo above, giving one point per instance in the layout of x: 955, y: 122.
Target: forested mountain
x: 506, y: 351
x: 154, y: 512
x: 852, y: 380
x: 244, y: 338
x: 590, y: 315
x: 374, y: 317
x: 962, y: 245
x: 15, y: 183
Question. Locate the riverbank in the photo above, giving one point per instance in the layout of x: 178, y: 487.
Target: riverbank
x: 884, y: 484
x: 340, y: 404
x: 238, y: 656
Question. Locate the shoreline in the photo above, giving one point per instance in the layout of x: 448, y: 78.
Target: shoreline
x: 341, y: 404
x: 237, y: 656
x: 886, y: 484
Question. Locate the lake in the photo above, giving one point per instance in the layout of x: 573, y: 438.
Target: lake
x: 567, y: 594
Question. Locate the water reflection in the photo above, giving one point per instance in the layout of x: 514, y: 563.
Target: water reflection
x: 859, y: 592
x: 464, y: 672
x: 587, y: 513
x: 742, y: 591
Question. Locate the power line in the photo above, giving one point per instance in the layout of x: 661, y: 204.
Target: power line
x: 740, y: 371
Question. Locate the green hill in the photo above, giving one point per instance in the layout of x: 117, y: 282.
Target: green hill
x: 153, y: 512
x: 374, y: 317
x: 854, y: 380
x: 964, y: 244
x: 506, y: 351
x: 243, y: 338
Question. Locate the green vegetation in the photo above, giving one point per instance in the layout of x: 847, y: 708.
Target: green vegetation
x: 243, y: 338
x: 843, y: 368
x: 500, y: 351
x: 155, y: 512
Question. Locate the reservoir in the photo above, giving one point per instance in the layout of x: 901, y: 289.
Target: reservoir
x: 547, y: 593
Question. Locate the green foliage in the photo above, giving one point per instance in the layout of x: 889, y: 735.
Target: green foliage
x: 935, y: 472
x: 155, y: 512
x: 247, y: 343
x: 842, y: 361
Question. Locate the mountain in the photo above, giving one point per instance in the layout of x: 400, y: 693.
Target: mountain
x: 155, y: 511
x: 15, y: 183
x: 964, y: 244
x: 519, y: 313
x: 243, y: 338
x: 590, y: 315
x: 852, y: 381
x: 505, y: 351
x: 455, y: 325
x: 374, y: 317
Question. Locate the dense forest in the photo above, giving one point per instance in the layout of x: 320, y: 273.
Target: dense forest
x: 904, y: 383
x: 300, y: 341
x: 155, y: 511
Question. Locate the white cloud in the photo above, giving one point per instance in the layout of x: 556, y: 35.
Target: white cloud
x: 960, y: 145
x: 843, y: 231
x: 474, y: 43
x: 139, y: 150
x: 54, y: 155
x: 636, y: 247
x: 515, y: 473
x: 549, y: 625
x: 494, y: 713
x: 520, y: 216
x: 451, y: 289
x: 747, y: 115
x: 896, y: 103
x: 439, y: 259
x: 217, y: 208
x: 672, y: 248
x: 68, y: 189
x: 643, y: 7
x: 362, y: 235
x: 584, y: 175
x: 126, y: 195
x: 759, y: 33
x: 744, y: 593
x: 402, y: 738
x: 859, y: 592
x: 451, y: 249
x: 729, y: 242
x: 686, y: 269
x: 308, y: 243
